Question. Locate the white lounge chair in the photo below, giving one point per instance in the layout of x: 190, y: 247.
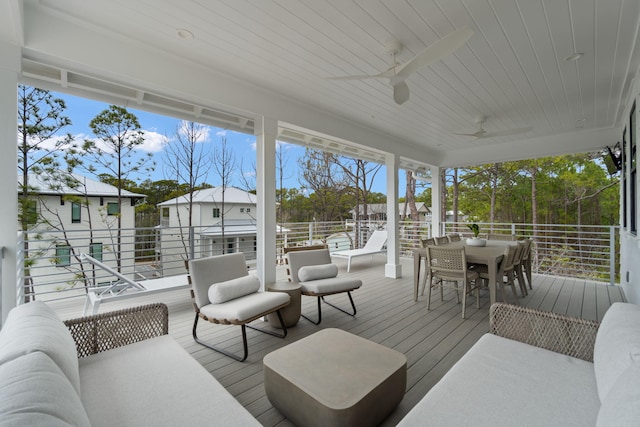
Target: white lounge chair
x: 375, y: 245
x: 125, y: 287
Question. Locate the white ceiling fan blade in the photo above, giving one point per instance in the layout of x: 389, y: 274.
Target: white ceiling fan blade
x: 400, y: 93
x: 475, y: 135
x: 508, y: 132
x: 437, y: 50
x: 359, y: 77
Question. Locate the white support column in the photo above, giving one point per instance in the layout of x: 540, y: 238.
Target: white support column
x: 266, y: 131
x: 10, y: 60
x: 435, y: 201
x: 393, y: 268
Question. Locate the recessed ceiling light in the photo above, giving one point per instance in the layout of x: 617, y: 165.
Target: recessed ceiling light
x: 574, y: 56
x: 185, y: 34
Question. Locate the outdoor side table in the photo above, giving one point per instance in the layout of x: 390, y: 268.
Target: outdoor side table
x: 334, y: 378
x: 291, y: 313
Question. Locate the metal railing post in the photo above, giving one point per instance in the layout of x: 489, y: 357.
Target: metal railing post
x: 612, y: 256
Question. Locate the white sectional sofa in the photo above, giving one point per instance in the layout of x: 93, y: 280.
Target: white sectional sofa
x: 542, y: 369
x: 112, y: 369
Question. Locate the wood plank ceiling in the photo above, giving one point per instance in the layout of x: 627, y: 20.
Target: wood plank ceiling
x: 512, y: 70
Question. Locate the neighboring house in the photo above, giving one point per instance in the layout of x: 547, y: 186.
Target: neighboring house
x: 76, y: 215
x: 207, y: 221
x: 378, y: 211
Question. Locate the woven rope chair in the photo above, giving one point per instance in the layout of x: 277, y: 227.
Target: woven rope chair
x: 427, y: 242
x: 453, y: 237
x: 508, y: 269
x: 525, y: 264
x: 518, y: 266
x: 322, y: 286
x: 238, y: 310
x: 450, y: 266
x: 441, y: 240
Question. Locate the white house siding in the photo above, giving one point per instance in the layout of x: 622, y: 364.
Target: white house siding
x: 43, y: 239
x: 630, y: 241
x: 240, y: 230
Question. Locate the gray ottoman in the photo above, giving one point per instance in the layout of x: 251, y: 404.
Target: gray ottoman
x: 334, y: 378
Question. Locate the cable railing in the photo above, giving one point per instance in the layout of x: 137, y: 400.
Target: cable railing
x: 52, y: 268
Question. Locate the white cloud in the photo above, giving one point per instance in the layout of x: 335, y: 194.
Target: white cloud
x: 221, y: 132
x: 203, y: 135
x: 153, y: 142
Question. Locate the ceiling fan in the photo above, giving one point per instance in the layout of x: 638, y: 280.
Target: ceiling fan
x: 482, y: 133
x: 398, y: 73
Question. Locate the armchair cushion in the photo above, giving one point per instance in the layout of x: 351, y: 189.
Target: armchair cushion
x: 231, y: 289
x: 315, y: 272
x: 245, y: 308
x: 329, y: 286
x: 617, y: 345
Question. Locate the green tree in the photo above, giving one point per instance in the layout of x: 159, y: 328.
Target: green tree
x: 119, y: 134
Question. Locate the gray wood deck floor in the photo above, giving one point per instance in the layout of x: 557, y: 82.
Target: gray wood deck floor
x: 432, y: 340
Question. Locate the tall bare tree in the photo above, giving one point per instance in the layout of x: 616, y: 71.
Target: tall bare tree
x: 187, y: 159
x: 224, y: 162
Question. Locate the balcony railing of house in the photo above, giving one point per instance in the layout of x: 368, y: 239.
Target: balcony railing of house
x: 52, y: 268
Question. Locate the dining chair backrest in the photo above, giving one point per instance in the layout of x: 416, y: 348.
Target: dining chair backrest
x: 453, y: 237
x: 509, y: 257
x: 526, y: 253
x: 427, y: 242
x: 441, y: 240
x: 447, y: 262
x: 500, y: 236
x: 519, y: 253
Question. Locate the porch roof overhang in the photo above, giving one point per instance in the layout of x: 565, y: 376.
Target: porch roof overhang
x: 247, y: 60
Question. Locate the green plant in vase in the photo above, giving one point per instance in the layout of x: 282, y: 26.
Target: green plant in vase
x: 475, y: 229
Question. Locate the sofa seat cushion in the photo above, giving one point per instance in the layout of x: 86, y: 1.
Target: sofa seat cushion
x: 36, y: 327
x: 155, y: 382
x: 501, y: 382
x: 327, y: 286
x: 247, y: 307
x: 35, y: 392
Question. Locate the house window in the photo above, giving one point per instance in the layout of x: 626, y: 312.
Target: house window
x: 76, y: 212
x: 632, y: 178
x: 216, y: 212
x: 241, y: 210
x: 63, y: 255
x: 165, y: 213
x: 248, y: 210
x: 624, y: 178
x: 112, y: 208
x: 95, y: 250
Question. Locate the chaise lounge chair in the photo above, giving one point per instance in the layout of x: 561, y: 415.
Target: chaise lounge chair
x: 375, y: 245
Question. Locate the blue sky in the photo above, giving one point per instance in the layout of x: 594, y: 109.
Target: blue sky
x: 158, y: 128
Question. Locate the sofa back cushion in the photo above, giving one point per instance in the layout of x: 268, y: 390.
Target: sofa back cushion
x: 617, y: 345
x: 35, y: 392
x: 35, y: 327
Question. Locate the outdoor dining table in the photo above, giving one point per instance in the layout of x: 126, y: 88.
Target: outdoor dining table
x: 489, y: 255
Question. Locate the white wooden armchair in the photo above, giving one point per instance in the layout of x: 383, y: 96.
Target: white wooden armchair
x: 224, y: 293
